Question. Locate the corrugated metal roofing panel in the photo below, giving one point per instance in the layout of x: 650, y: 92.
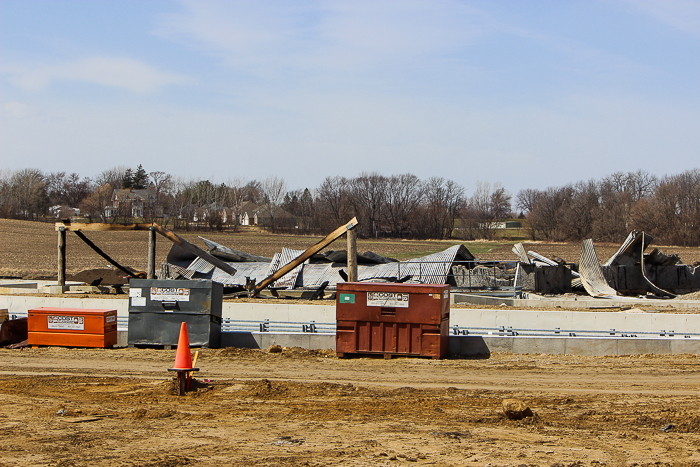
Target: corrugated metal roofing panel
x: 591, y: 274
x: 280, y: 260
x: 182, y: 271
x: 430, y: 269
x: 519, y: 251
x: 201, y: 265
x: 313, y: 275
x: 241, y: 256
x: 253, y: 270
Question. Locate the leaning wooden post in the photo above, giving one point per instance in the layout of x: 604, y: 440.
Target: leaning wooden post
x: 352, y: 256
x: 62, y: 256
x: 151, y: 269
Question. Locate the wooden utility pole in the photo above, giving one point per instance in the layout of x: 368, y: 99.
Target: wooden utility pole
x: 151, y: 268
x: 352, y: 256
x: 62, y: 256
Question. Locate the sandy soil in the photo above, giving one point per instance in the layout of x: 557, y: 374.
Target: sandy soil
x: 77, y: 407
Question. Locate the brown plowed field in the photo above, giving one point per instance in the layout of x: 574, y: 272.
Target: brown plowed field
x: 28, y: 249
x: 64, y: 407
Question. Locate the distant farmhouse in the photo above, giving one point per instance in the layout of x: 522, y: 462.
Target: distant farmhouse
x: 130, y: 202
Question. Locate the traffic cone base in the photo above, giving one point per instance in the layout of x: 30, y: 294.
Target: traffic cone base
x: 183, y: 358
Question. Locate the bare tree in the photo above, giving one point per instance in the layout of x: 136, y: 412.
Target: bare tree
x: 544, y: 217
x: 113, y: 176
x: 444, y: 199
x: 488, y: 204
x: 93, y: 206
x: 333, y: 195
x: 527, y: 199
x: 368, y: 198
x: 577, y: 217
x: 403, y: 199
x: 24, y: 194
x: 273, y: 190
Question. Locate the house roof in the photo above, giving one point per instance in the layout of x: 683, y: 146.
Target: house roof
x: 126, y: 194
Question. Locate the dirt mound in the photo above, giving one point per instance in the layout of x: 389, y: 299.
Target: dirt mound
x: 104, y: 276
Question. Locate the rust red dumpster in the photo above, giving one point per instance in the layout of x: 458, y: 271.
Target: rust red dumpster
x: 72, y: 327
x: 392, y: 319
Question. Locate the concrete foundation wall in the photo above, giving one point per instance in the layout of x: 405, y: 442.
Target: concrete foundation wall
x: 473, y: 346
x: 576, y: 320
x: 459, y: 345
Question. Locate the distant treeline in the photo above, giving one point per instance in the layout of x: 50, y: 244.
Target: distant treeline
x: 397, y: 206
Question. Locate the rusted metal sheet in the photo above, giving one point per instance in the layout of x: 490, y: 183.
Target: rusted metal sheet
x: 592, y: 277
x: 392, y: 319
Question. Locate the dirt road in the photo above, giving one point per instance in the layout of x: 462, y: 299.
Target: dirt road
x: 72, y: 407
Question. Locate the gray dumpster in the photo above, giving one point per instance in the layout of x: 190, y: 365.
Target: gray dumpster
x: 158, y: 307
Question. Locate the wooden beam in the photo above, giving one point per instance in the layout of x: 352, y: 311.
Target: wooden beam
x: 102, y: 227
x: 304, y: 256
x: 107, y: 258
x: 185, y: 245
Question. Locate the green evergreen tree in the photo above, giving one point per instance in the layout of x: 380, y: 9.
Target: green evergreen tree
x: 139, y: 180
x: 128, y: 179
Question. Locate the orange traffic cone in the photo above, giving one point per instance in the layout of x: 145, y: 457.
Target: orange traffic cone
x: 183, y: 358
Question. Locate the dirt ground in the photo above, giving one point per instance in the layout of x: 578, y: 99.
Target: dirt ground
x: 78, y: 407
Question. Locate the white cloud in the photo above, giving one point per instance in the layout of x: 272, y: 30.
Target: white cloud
x: 125, y: 73
x: 264, y: 38
x: 680, y: 14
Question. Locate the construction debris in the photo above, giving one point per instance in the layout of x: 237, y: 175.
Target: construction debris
x: 629, y: 271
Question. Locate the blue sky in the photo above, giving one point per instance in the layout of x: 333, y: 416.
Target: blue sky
x: 528, y: 94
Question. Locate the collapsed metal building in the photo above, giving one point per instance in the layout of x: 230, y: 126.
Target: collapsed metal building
x: 630, y: 271
x: 327, y: 268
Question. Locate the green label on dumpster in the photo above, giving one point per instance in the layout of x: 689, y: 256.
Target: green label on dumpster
x: 347, y: 298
